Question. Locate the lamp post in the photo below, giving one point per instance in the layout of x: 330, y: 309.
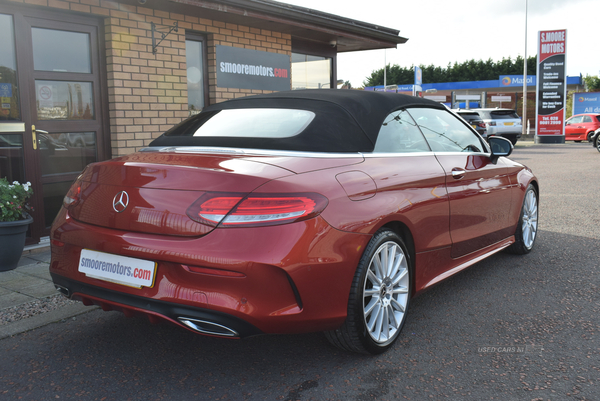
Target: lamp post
x: 524, y: 128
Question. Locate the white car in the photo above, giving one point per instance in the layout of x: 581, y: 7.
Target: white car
x: 501, y: 122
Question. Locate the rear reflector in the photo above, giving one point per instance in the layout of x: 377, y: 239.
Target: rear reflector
x: 235, y: 210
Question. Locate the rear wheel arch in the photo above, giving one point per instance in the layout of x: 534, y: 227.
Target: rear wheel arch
x: 404, y: 232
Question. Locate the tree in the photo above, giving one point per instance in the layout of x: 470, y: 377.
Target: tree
x: 592, y: 83
x: 470, y: 70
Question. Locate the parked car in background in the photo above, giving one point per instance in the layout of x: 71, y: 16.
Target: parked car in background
x: 502, y: 122
x: 596, y: 139
x: 300, y: 211
x: 474, y: 120
x: 581, y: 127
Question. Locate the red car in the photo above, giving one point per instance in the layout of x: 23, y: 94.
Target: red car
x: 317, y: 210
x: 581, y: 127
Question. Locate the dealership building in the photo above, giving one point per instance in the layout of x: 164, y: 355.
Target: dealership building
x: 86, y: 80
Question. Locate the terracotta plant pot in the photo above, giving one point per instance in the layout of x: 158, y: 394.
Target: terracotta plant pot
x: 12, y: 242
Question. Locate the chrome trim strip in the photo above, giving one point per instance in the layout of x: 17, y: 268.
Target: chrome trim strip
x: 250, y: 152
x: 12, y: 127
x: 398, y: 154
x: 294, y: 153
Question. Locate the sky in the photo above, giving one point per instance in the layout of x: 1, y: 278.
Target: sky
x: 449, y: 31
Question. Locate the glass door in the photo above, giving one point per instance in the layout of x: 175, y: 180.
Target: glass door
x: 64, y: 99
x: 12, y: 127
x: 51, y: 120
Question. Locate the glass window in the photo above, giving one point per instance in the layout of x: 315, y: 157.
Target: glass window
x: 587, y: 119
x: 504, y: 114
x: 445, y: 132
x: 62, y: 100
x: 194, y: 57
x: 61, y: 51
x: 9, y: 94
x: 246, y: 123
x: 574, y: 120
x: 400, y: 134
x: 310, y: 72
x: 12, y: 166
x: 66, y: 152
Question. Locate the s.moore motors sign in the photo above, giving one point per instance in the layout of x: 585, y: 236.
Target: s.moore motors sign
x: 252, y: 69
x: 551, y: 86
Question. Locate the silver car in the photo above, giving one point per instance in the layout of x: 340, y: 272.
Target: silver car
x: 502, y: 122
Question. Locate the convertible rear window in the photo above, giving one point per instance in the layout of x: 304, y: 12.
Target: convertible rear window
x: 249, y: 123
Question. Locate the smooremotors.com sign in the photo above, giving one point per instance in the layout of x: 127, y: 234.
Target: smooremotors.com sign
x: 252, y: 69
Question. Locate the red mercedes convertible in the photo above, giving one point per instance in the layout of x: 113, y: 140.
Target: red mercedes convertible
x: 301, y: 211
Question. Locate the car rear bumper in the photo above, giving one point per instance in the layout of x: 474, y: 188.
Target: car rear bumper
x: 280, y: 279
x: 208, y: 322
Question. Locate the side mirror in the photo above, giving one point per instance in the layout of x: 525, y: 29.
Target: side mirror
x: 501, y: 147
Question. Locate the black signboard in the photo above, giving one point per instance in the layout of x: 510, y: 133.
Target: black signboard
x: 252, y: 69
x: 551, y: 86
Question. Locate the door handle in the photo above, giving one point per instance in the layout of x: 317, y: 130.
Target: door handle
x: 34, y: 135
x: 458, y: 173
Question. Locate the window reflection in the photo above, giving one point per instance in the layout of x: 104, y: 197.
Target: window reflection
x: 53, y: 197
x: 61, y: 51
x: 58, y: 100
x: 195, y: 75
x: 66, y: 152
x: 9, y: 99
x: 11, y: 157
x: 310, y: 72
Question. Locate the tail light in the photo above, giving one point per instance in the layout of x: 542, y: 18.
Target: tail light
x: 491, y: 124
x: 239, y: 210
x: 481, y: 125
x: 73, y: 197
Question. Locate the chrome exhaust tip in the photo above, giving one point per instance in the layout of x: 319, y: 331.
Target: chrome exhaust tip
x: 62, y: 290
x: 205, y: 327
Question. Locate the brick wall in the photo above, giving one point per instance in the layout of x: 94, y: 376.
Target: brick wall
x: 148, y: 92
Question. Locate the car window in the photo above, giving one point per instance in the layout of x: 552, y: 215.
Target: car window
x: 587, y: 119
x: 445, y: 132
x: 598, y: 117
x: 503, y: 114
x: 574, y: 120
x: 399, y: 134
x: 470, y: 116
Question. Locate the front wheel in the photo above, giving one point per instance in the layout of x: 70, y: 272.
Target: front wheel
x: 379, y: 297
x: 526, y: 232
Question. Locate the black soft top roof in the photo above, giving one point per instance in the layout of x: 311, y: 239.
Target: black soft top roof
x: 345, y: 120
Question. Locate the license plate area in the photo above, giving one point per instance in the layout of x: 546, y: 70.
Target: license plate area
x: 509, y: 123
x: 118, y: 269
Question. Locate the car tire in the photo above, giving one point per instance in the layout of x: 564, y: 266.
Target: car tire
x: 379, y: 298
x: 597, y: 143
x: 590, y: 135
x: 526, y: 232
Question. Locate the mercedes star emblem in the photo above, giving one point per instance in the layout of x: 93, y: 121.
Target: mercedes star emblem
x: 120, y: 202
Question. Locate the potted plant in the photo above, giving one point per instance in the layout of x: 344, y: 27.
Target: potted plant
x: 14, y: 220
